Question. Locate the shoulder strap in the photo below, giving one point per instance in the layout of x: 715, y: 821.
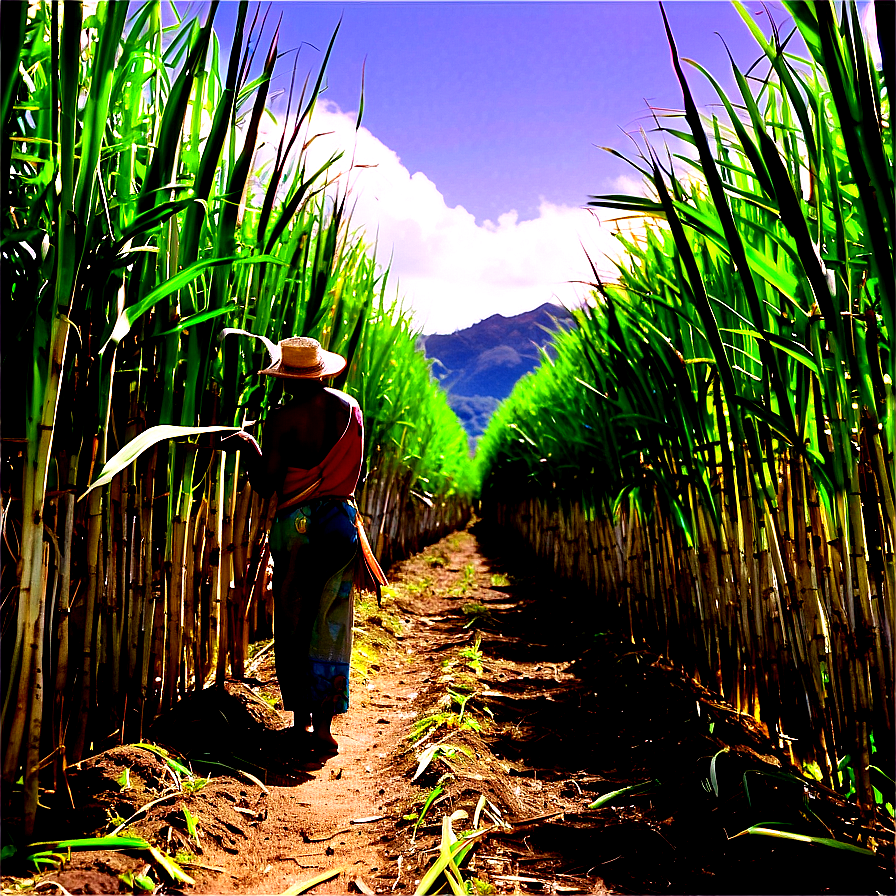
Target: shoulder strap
x: 347, y: 400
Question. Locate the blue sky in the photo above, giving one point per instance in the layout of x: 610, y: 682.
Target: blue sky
x: 484, y: 122
x: 503, y: 103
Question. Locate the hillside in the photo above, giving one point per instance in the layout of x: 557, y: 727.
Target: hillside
x: 479, y: 366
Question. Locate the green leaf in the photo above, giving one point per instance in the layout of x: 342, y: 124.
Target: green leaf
x: 179, y: 767
x: 607, y: 798
x: 152, y: 436
x: 148, y: 221
x: 127, y: 317
x: 91, y: 843
x: 191, y: 824
x: 431, y: 797
x: 305, y: 885
x: 713, y: 776
x: 198, y: 318
x: 765, y: 831
x: 170, y: 867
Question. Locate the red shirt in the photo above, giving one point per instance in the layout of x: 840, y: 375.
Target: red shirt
x: 337, y: 474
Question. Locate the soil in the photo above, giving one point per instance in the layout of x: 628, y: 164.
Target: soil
x: 484, y: 696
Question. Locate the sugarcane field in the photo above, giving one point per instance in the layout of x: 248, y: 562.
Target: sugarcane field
x: 331, y: 566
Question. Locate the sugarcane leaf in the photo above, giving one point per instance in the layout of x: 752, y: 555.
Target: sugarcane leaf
x: 128, y: 317
x: 765, y: 831
x: 796, y: 350
x: 170, y: 867
x: 426, y: 758
x: 93, y: 843
x: 768, y: 417
x: 152, y: 436
x: 155, y: 217
x: 272, y: 347
x: 198, y: 318
x: 305, y: 885
x: 608, y: 798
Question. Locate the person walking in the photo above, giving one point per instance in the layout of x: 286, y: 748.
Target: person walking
x: 312, y: 460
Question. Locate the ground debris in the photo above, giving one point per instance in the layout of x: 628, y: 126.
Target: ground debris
x: 507, y: 717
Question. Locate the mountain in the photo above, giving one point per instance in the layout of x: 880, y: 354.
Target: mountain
x: 479, y: 366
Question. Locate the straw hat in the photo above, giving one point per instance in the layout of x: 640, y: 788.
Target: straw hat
x: 302, y: 357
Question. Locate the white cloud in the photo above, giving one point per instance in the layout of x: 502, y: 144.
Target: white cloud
x: 450, y: 270
x: 869, y: 26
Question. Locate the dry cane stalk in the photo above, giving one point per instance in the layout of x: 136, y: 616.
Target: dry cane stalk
x: 67, y: 511
x: 147, y: 597
x: 219, y: 586
x: 84, y: 700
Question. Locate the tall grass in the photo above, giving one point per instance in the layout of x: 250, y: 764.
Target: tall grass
x: 135, y: 232
x: 716, y: 436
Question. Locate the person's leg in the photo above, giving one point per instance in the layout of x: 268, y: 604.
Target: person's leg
x: 297, y: 584
x: 328, y: 660
x: 296, y: 605
x: 306, y: 567
x: 330, y: 648
x: 321, y: 736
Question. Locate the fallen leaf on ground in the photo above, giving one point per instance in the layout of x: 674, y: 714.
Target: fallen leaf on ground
x: 305, y: 885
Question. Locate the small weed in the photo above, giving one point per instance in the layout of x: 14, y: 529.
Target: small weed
x: 271, y: 700
x: 256, y: 647
x: 813, y: 770
x: 476, y: 612
x: 374, y: 630
x: 194, y: 784
x: 139, y: 883
x: 465, y: 585
x: 431, y: 798
x: 192, y: 830
x: 460, y: 718
x: 365, y: 657
x: 417, y: 587
x: 499, y: 580
x: 447, y: 719
x: 463, y: 683
x: 473, y: 655
x: 438, y: 561
x: 113, y: 819
x: 439, y: 752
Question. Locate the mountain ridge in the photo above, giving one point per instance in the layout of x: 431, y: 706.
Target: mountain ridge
x: 479, y: 366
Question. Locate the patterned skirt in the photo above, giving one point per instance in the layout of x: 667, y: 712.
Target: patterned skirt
x: 315, y: 547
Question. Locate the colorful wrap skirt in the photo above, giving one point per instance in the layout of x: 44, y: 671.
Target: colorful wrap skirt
x: 314, y: 546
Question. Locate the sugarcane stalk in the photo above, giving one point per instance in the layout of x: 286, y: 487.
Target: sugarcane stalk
x: 63, y: 612
x: 195, y: 535
x: 147, y: 601
x: 220, y: 583
x: 36, y: 705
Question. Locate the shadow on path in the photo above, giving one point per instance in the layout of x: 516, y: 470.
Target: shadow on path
x: 579, y: 712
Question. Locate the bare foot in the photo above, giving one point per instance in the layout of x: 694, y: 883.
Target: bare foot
x: 324, y: 742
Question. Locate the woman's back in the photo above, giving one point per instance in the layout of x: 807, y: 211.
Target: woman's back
x: 306, y: 429
x: 312, y: 445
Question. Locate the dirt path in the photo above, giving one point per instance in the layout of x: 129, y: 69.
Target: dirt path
x: 499, y: 694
